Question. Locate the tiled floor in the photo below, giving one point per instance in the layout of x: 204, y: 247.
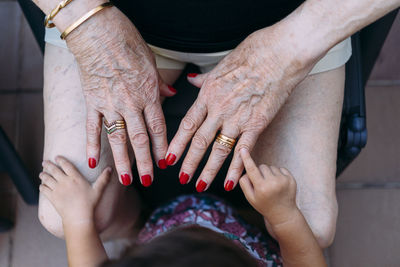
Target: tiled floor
x: 368, y: 191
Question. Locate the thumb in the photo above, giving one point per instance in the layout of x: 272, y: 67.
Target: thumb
x: 102, y: 181
x: 197, y: 79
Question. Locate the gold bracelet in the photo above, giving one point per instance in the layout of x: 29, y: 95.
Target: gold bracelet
x: 85, y: 17
x: 53, y: 13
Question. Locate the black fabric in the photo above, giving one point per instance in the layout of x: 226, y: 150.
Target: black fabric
x: 203, y: 26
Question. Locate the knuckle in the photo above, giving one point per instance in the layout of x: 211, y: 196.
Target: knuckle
x: 189, y: 124
x: 188, y: 166
x: 117, y: 138
x: 120, y: 162
x: 200, y: 141
x: 140, y: 139
x: 92, y: 128
x: 241, y: 145
x: 211, y: 171
x: 157, y: 126
x: 222, y: 151
x: 145, y: 165
x: 257, y: 124
x: 235, y: 171
x: 44, y: 179
x: 263, y: 168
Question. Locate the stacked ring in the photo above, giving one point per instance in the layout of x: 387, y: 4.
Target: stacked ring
x: 114, y: 125
x: 225, y: 141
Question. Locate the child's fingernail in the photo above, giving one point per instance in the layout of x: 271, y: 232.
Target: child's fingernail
x: 184, y: 178
x: 162, y: 164
x: 126, y: 179
x: 146, y: 180
x: 192, y: 75
x: 92, y: 163
x: 229, y: 185
x: 201, y: 186
x: 172, y: 89
x: 171, y: 159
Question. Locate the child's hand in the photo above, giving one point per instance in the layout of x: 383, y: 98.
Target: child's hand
x: 270, y: 190
x: 69, y: 192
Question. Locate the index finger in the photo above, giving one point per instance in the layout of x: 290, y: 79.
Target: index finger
x: 252, y: 171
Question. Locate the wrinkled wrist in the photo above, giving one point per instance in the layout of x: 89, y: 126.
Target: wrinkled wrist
x: 102, y: 34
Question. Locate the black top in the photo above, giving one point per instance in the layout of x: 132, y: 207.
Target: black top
x: 203, y: 26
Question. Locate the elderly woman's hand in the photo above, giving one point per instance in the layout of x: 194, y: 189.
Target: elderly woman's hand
x: 238, y: 98
x: 120, y: 82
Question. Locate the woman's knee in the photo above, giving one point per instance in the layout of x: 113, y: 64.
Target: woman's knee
x: 49, y: 218
x: 323, y: 222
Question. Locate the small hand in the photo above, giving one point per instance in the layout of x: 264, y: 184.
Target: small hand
x: 69, y: 192
x: 270, y: 190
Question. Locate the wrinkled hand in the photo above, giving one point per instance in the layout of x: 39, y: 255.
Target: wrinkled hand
x: 70, y: 193
x: 239, y: 98
x: 269, y: 189
x: 120, y: 81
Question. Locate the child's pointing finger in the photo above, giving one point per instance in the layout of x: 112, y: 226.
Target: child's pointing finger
x: 251, y: 168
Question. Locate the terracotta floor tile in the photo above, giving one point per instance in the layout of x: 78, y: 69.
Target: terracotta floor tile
x: 387, y: 66
x: 368, y: 229
x: 33, y: 246
x: 5, y: 246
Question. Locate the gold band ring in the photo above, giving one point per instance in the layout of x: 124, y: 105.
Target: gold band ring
x: 225, y: 141
x: 114, y: 125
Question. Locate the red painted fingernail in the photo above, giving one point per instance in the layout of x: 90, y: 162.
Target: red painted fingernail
x: 162, y: 164
x: 172, y: 89
x: 184, y: 178
x: 201, y: 186
x: 229, y: 185
x: 92, y: 163
x: 171, y: 159
x: 126, y: 179
x: 146, y: 180
x: 192, y: 75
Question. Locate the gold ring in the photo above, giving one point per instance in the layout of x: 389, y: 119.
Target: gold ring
x: 114, y: 125
x: 225, y: 141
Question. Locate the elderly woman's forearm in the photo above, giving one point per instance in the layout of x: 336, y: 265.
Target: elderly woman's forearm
x: 316, y: 26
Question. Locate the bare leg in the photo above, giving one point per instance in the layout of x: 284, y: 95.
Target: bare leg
x: 65, y: 134
x: 303, y: 137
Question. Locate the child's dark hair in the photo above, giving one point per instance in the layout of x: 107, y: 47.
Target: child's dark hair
x: 191, y: 246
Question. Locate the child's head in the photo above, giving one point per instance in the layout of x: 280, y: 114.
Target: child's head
x: 192, y: 246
